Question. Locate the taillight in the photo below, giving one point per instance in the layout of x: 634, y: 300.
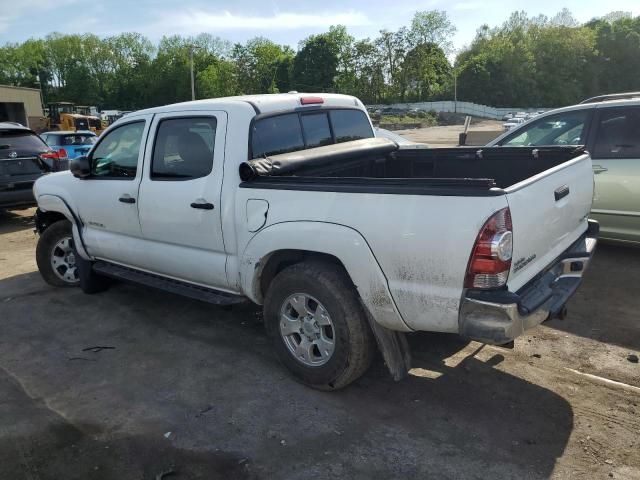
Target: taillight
x: 490, y: 260
x: 52, y: 158
x: 311, y: 100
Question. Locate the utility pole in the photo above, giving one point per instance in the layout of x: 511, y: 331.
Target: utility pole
x: 455, y: 91
x: 193, y: 87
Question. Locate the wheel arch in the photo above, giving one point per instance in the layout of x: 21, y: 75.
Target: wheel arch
x: 333, y: 243
x: 51, y: 209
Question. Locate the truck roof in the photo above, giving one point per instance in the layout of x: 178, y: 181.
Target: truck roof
x: 265, y: 103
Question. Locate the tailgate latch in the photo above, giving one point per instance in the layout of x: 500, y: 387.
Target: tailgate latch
x: 561, y: 192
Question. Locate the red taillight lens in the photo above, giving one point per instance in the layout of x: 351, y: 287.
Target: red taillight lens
x: 490, y: 260
x: 62, y: 154
x: 311, y: 100
x: 50, y: 155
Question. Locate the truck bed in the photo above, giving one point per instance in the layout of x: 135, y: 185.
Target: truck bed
x: 409, y: 203
x: 380, y: 163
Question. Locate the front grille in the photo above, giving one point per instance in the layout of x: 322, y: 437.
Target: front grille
x: 20, y: 166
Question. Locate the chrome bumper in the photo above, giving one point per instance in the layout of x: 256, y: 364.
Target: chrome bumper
x: 498, y: 317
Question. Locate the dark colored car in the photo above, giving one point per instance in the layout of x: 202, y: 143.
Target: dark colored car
x: 24, y: 157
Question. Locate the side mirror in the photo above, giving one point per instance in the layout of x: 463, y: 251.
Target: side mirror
x: 80, y: 167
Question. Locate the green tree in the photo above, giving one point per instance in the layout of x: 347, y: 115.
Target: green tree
x: 220, y: 79
x: 259, y: 65
x: 315, y: 66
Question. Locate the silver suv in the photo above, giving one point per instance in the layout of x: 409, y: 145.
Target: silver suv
x: 609, y: 126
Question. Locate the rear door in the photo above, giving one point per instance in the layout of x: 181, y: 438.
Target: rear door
x: 549, y: 212
x: 180, y: 207
x: 615, y: 151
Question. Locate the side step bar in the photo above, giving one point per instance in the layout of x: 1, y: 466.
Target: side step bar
x: 170, y: 285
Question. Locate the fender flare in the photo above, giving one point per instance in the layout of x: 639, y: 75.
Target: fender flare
x: 54, y: 203
x: 342, y: 242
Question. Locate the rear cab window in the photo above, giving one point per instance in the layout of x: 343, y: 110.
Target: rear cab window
x: 290, y: 132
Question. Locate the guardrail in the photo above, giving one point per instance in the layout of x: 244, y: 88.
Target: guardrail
x: 464, y: 108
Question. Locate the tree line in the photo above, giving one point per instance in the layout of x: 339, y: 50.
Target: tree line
x: 527, y: 61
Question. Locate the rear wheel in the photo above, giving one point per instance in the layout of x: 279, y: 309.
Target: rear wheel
x: 318, y: 326
x: 56, y: 255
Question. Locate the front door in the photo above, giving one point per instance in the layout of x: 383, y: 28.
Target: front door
x: 180, y: 208
x: 107, y: 199
x: 616, y: 167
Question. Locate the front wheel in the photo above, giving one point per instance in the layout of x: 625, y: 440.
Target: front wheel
x: 56, y: 256
x: 318, y: 326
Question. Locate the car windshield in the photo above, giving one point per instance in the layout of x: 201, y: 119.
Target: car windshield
x: 75, y: 139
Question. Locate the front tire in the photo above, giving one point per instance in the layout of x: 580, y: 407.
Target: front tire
x: 318, y: 326
x: 56, y: 256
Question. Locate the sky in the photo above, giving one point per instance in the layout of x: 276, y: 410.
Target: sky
x: 285, y: 22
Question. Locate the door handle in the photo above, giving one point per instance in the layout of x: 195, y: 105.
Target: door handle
x: 202, y: 206
x: 599, y: 169
x: 126, y: 198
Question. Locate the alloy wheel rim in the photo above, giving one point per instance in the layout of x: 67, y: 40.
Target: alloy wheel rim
x: 307, y: 329
x: 63, y: 260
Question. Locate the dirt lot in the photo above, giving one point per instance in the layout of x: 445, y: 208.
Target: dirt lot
x: 447, y: 136
x: 193, y: 389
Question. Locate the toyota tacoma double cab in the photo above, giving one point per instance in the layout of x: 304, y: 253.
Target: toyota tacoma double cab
x: 347, y: 241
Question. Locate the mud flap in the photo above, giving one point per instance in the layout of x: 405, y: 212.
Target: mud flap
x: 394, y: 347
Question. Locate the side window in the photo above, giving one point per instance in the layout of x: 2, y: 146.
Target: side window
x: 618, y: 133
x: 350, y: 125
x: 316, y: 130
x: 274, y: 135
x: 562, y: 129
x: 116, y: 156
x: 183, y: 149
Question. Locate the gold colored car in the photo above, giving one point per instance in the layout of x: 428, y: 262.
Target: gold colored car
x: 609, y: 126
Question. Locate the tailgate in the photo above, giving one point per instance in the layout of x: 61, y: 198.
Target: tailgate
x: 549, y: 212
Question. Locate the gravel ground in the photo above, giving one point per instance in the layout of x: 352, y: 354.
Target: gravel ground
x: 195, y: 390
x: 447, y: 136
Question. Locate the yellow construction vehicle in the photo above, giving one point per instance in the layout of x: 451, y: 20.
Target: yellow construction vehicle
x: 61, y: 116
x: 95, y: 124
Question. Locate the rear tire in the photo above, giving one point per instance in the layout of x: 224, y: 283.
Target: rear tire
x: 55, y: 255
x: 318, y: 326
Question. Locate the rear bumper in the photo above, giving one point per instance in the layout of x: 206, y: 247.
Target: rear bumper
x: 12, y: 197
x: 498, y: 317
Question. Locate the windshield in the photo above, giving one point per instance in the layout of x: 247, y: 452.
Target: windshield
x: 563, y: 129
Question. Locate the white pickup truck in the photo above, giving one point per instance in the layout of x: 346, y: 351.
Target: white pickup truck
x: 347, y: 240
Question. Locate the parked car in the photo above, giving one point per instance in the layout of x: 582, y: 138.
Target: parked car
x: 345, y: 239
x: 507, y: 116
x: 513, y: 123
x: 74, y: 143
x: 24, y: 158
x: 609, y: 126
